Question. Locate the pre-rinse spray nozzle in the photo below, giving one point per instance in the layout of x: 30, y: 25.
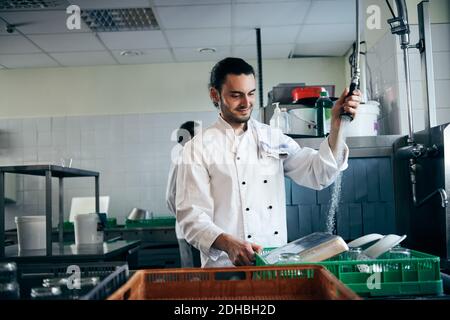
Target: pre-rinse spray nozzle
x: 354, y: 84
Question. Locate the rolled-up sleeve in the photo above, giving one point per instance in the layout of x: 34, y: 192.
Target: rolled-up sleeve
x: 194, y: 203
x: 316, y: 169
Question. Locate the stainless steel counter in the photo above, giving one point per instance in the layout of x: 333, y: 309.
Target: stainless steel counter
x: 360, y: 147
x: 71, y: 252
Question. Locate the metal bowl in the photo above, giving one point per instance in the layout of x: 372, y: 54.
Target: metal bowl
x: 139, y: 214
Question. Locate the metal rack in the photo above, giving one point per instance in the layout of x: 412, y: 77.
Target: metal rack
x: 49, y: 172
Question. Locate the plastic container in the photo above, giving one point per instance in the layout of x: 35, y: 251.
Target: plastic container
x: 366, y: 120
x: 285, y: 123
x: 275, y: 121
x: 323, y: 108
x: 303, y: 121
x: 87, y: 229
x: 31, y: 232
x: 417, y: 275
x: 305, y: 92
x: 249, y: 283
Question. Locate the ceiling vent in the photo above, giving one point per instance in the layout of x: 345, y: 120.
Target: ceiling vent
x: 115, y: 20
x: 31, y: 4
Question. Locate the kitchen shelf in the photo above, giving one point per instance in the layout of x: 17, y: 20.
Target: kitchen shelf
x: 70, y: 252
x: 48, y: 171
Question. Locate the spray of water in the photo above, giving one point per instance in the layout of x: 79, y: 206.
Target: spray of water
x: 336, y: 189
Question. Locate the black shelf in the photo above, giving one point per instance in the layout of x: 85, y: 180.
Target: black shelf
x: 48, y: 171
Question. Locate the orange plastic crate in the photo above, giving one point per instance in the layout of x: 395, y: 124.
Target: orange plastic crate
x: 310, y: 282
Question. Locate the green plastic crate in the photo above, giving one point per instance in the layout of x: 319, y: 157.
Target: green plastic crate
x: 150, y: 223
x: 68, y: 226
x: 111, y: 223
x: 419, y: 275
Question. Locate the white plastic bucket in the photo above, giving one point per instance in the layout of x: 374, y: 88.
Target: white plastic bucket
x: 303, y: 121
x: 30, y: 232
x: 86, y: 229
x: 366, y: 120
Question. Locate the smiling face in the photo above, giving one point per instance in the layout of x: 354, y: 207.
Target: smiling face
x: 236, y: 99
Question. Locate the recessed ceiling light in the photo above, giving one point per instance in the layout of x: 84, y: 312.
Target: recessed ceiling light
x: 128, y: 53
x: 207, y: 50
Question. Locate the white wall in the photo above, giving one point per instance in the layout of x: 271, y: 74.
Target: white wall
x: 150, y: 88
x: 118, y: 121
x: 384, y: 69
x: 439, y: 13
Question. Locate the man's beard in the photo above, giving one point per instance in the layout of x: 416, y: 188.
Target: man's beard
x: 233, y: 117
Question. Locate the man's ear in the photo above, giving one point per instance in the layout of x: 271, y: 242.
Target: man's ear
x: 214, y: 95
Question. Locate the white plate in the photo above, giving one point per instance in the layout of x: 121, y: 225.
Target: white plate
x: 383, y: 245
x: 364, y: 240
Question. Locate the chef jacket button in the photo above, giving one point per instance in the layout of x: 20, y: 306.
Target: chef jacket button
x: 243, y: 182
x: 247, y: 209
x: 276, y: 232
x: 265, y: 181
x: 270, y: 207
x: 238, y: 158
x: 249, y: 236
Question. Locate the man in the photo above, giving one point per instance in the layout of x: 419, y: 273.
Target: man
x: 189, y: 256
x: 230, y: 184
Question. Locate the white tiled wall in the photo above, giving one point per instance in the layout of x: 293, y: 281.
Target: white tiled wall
x: 388, y: 85
x: 131, y: 152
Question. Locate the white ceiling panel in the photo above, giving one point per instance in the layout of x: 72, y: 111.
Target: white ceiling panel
x: 16, y: 44
x: 199, y: 37
x: 110, y: 4
x: 66, y: 42
x: 328, y: 12
x: 188, y: 2
x: 148, y: 56
x: 133, y: 40
x: 41, y: 22
x: 323, y: 48
x: 70, y: 59
x: 267, y: 51
x: 191, y: 54
x: 269, y: 35
x: 208, y: 16
x: 318, y: 27
x: 270, y: 14
x: 325, y: 33
x: 27, y: 61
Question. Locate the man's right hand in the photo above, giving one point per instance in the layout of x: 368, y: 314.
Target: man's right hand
x: 241, y: 253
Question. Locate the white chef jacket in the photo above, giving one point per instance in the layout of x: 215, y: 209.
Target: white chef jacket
x: 176, y: 157
x: 236, y: 186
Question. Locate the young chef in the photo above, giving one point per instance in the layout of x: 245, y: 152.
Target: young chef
x: 230, y: 185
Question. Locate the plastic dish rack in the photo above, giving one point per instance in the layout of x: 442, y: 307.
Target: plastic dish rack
x: 419, y: 275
